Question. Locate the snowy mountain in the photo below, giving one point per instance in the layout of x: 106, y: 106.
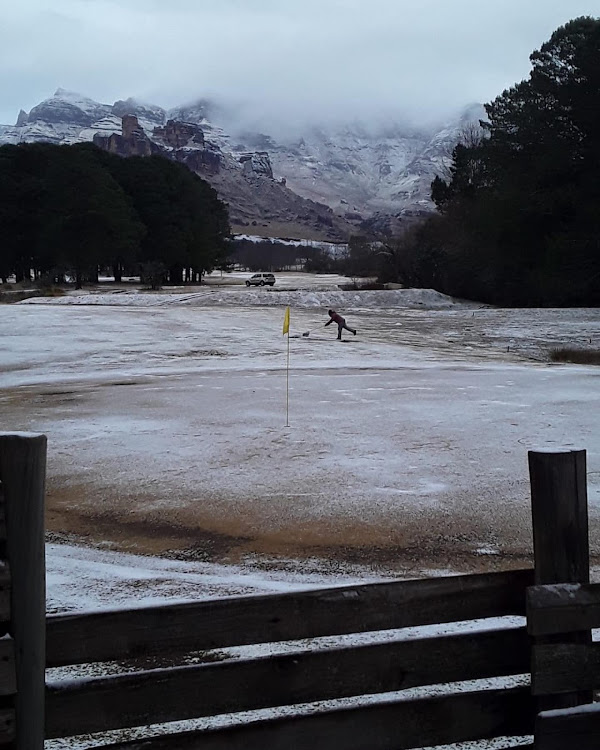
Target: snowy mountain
x: 67, y: 117
x: 363, y: 170
x: 321, y: 184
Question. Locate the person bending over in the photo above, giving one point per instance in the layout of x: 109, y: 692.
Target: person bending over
x: 341, y: 323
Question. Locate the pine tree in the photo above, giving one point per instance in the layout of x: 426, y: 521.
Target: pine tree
x: 524, y: 197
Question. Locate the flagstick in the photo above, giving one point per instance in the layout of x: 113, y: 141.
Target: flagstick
x: 287, y: 385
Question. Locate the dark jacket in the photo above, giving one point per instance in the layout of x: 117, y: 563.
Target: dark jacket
x: 335, y: 318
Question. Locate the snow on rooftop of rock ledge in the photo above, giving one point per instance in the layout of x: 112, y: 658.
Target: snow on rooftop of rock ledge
x: 73, y: 97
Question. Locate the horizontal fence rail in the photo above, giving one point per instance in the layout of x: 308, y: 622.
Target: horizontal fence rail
x: 390, y: 725
x: 4, y: 591
x: 7, y: 727
x: 564, y: 668
x: 563, y: 608
x: 560, y: 665
x: 103, y: 636
x: 163, y: 695
x: 8, y: 677
x: 563, y: 729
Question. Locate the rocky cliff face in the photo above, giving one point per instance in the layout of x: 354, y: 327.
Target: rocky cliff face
x: 255, y: 199
x: 257, y: 164
x: 132, y: 142
x: 179, y: 134
x: 180, y: 141
x: 185, y: 142
x: 149, y: 115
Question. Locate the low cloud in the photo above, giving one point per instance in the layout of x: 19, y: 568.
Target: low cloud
x: 278, y: 62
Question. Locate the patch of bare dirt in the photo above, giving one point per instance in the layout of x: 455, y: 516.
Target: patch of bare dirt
x: 129, y: 524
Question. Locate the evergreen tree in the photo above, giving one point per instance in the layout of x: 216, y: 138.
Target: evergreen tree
x: 186, y: 223
x: 23, y: 191
x: 80, y: 209
x: 89, y: 221
x: 520, y: 206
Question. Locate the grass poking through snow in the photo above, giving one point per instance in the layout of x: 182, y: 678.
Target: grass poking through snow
x: 576, y: 356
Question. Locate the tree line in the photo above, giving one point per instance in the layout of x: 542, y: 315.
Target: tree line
x: 266, y: 255
x: 518, y: 220
x: 77, y: 210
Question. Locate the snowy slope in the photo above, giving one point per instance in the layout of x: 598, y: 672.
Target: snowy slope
x: 363, y: 169
x: 425, y: 299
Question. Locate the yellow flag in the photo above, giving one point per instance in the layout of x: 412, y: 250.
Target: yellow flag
x: 286, y: 321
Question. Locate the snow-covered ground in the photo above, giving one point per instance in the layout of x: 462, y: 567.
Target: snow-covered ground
x: 172, y: 473
x: 405, y: 454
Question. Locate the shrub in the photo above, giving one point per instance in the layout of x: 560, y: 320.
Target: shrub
x: 153, y: 274
x: 361, y: 286
x: 576, y: 356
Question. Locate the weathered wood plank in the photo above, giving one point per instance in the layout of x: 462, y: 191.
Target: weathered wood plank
x: 393, y: 725
x: 4, y: 570
x: 560, y: 521
x: 569, y: 729
x: 7, y: 727
x: 101, y: 636
x: 562, y: 608
x: 565, y: 667
x: 93, y: 705
x: 8, y: 678
x: 560, y: 537
x: 4, y: 593
x: 23, y: 476
x: 2, y: 524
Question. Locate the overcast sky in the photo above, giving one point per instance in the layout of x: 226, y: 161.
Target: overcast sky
x: 285, y: 59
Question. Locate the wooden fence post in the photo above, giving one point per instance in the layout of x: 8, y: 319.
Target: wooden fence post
x: 560, y: 518
x: 560, y: 539
x: 22, y: 473
x: 8, y: 684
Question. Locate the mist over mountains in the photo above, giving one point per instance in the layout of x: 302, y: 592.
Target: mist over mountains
x: 320, y: 181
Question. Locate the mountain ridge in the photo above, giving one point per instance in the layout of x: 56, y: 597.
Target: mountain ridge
x: 321, y: 184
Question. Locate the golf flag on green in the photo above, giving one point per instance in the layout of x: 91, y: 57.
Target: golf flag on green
x: 286, y: 329
x: 286, y: 321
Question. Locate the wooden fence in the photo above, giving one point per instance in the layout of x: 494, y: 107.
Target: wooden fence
x: 565, y: 663
x: 175, y: 693
x: 23, y: 594
x: 559, y: 616
x: 313, y: 671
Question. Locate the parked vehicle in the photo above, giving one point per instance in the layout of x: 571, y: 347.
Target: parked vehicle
x: 260, y: 279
